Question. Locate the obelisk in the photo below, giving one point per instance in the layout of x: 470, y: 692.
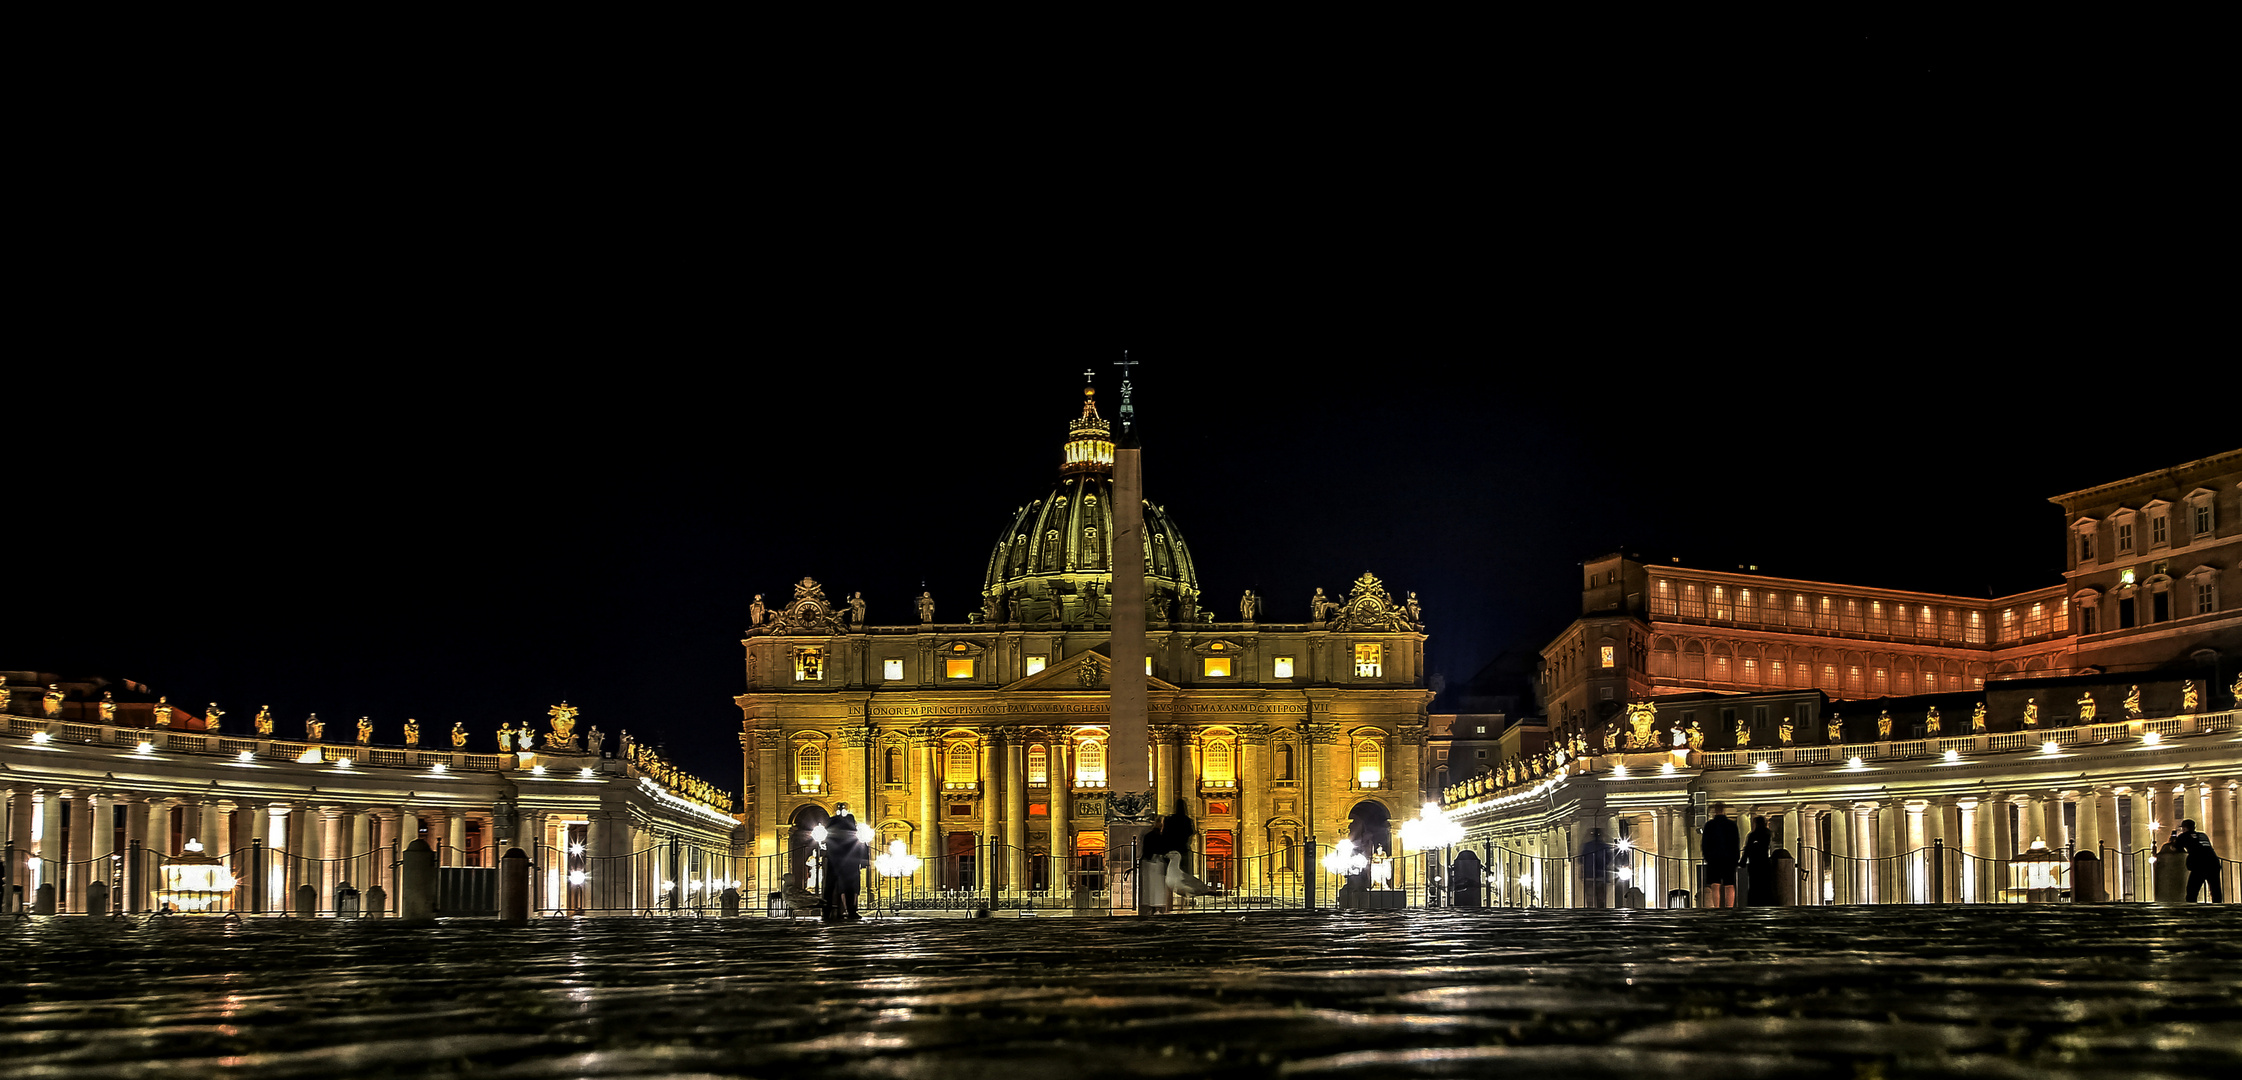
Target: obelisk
x: 1130, y: 812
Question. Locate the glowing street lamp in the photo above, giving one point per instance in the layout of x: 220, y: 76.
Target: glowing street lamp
x: 194, y: 881
x: 1344, y: 861
x: 896, y: 862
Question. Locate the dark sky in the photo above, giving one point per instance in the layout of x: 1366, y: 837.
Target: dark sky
x: 436, y: 440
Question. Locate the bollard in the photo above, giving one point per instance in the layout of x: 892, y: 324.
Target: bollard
x: 43, y: 904
x: 97, y: 899
x: 1786, y: 878
x: 1308, y: 867
x: 416, y: 888
x: 2170, y: 874
x: 377, y: 902
x: 348, y: 902
x: 2086, y: 879
x: 259, y: 880
x: 729, y: 902
x: 513, y: 887
x: 1633, y: 899
x: 307, y: 901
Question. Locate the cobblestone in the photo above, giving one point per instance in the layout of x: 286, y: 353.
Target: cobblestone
x: 1840, y: 992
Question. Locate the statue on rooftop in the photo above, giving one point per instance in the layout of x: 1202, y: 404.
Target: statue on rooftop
x: 2031, y: 712
x: 2086, y: 707
x: 1320, y: 606
x: 2133, y: 703
x: 505, y: 739
x: 1783, y: 734
x: 593, y: 740
x: 1884, y: 724
x: 1416, y: 614
x: 756, y: 612
x: 564, y: 720
x: 7, y: 694
x: 264, y: 720
x: 1743, y: 733
x: 2188, y: 699
x: 625, y: 747
x: 365, y: 730
x: 1930, y: 722
x: 412, y: 732
x: 459, y: 735
x: 1977, y: 719
x: 1246, y: 606
x: 856, y: 610
x: 524, y: 739
x: 1836, y: 727
x: 54, y: 700
x: 1696, y: 736
x: 210, y: 716
x: 926, y: 606
x: 1681, y: 738
x: 108, y: 706
x: 163, y: 711
x: 313, y: 729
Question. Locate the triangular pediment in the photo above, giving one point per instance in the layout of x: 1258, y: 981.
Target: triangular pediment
x: 1068, y: 675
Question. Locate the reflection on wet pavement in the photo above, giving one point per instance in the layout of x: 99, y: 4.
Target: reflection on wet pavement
x: 1848, y: 992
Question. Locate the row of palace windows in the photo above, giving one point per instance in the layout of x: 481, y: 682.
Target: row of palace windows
x: 1855, y: 678
x: 2200, y: 514
x: 961, y: 764
x: 809, y: 664
x: 2161, y: 606
x: 1768, y: 607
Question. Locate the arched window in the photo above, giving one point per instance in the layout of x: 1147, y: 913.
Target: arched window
x: 1093, y: 557
x: 809, y: 767
x: 1089, y: 763
x: 960, y: 764
x: 1051, y: 550
x: 1020, y: 554
x: 1218, y: 766
x: 1284, y: 761
x: 1039, y: 765
x: 1370, y: 763
x: 898, y: 771
x: 1693, y: 662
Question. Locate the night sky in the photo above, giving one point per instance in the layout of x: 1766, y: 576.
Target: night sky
x: 1849, y: 307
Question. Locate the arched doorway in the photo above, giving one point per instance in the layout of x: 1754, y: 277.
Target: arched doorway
x: 1370, y: 826
x: 801, y: 845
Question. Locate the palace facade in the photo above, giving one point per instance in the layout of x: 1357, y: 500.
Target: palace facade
x: 991, y: 730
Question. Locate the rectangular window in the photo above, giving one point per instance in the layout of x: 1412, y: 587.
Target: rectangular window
x: 1605, y: 652
x: 2125, y: 613
x: 1370, y: 659
x: 1759, y: 717
x: 1039, y: 765
x: 958, y: 669
x: 1751, y: 672
x: 1662, y: 602
x: 1720, y: 602
x: 2159, y: 531
x: 1148, y: 665
x: 1720, y: 669
x: 1692, y: 605
x: 2206, y: 601
x: 2086, y: 546
x: 2203, y: 518
x: 2087, y: 620
x: 1930, y: 682
x: 1281, y: 667
x: 1037, y: 663
x: 1774, y: 673
x: 891, y: 669
x: 2124, y: 537
x: 809, y: 664
x: 1883, y: 682
x: 1479, y: 729
x: 1217, y: 667
x: 2160, y: 607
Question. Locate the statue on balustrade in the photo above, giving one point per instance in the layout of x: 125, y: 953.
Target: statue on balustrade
x: 313, y: 728
x: 412, y: 732
x: 210, y: 717
x: 2086, y: 707
x: 1836, y: 725
x: 2133, y: 703
x: 856, y: 610
x: 264, y: 720
x: 1977, y: 719
x: 459, y: 735
x: 1320, y: 607
x: 163, y: 711
x: 1930, y: 722
x: 54, y: 700
x: 1696, y: 736
x: 2031, y: 712
x: 2188, y: 698
x: 7, y: 694
x: 1611, y: 738
x: 108, y: 706
x: 1743, y: 734
x: 593, y: 740
x: 926, y: 606
x: 1783, y: 734
x: 1642, y: 716
x: 523, y: 738
x: 365, y: 731
x: 564, y: 723
x: 756, y: 611
x: 505, y: 739
x: 1884, y: 725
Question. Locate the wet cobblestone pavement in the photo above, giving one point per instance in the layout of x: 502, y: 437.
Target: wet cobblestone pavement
x: 1839, y: 992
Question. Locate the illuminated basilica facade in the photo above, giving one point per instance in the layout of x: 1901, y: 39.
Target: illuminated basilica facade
x: 946, y: 735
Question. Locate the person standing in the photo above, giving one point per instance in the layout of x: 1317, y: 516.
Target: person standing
x: 1721, y: 854
x: 1759, y: 864
x: 2202, y: 862
x: 1595, y: 869
x: 839, y: 851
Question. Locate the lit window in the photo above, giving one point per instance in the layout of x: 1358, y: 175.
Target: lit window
x: 1369, y: 763
x: 1369, y: 659
x: 1282, y: 666
x: 1606, y: 654
x: 1215, y: 667
x: 1039, y: 765
x: 809, y: 664
x: 1480, y: 729
x: 1751, y: 671
x: 809, y: 767
x: 1218, y: 766
x: 1148, y: 665
x: 958, y: 668
x: 1089, y: 763
x: 891, y: 669
x: 958, y: 764
x: 1036, y: 663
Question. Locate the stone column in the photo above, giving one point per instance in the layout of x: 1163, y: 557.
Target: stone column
x: 1977, y: 825
x: 1253, y: 833
x: 19, y: 834
x: 2090, y: 838
x: 188, y: 812
x: 2057, y: 834
x: 992, y: 811
x: 1892, y: 847
x: 929, y: 756
x: 767, y: 825
x: 1062, y: 812
x: 259, y: 827
x: 1015, y: 809
x: 2165, y: 813
x: 1951, y: 830
x: 104, y: 837
x: 2005, y: 840
x: 80, y: 847
x: 1163, y: 770
x: 136, y: 832
x: 51, y: 856
x: 456, y: 837
x: 2221, y: 825
x: 599, y: 841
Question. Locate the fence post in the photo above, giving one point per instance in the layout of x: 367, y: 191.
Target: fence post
x: 1308, y: 868
x: 988, y: 867
x: 513, y: 887
x: 259, y: 880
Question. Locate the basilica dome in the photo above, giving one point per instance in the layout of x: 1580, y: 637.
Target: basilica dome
x: 1054, y: 565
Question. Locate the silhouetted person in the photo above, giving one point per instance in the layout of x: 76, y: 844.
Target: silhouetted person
x: 2202, y: 862
x: 1720, y: 850
x: 843, y: 881
x: 1595, y: 868
x: 1759, y: 862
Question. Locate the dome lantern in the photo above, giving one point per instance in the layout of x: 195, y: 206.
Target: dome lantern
x: 1089, y: 446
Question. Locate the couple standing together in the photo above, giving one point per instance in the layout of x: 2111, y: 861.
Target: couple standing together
x: 1723, y: 855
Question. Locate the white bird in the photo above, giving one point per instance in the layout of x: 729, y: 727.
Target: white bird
x: 1182, y: 882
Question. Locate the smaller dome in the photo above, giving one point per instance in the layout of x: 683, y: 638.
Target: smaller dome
x: 1089, y: 446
